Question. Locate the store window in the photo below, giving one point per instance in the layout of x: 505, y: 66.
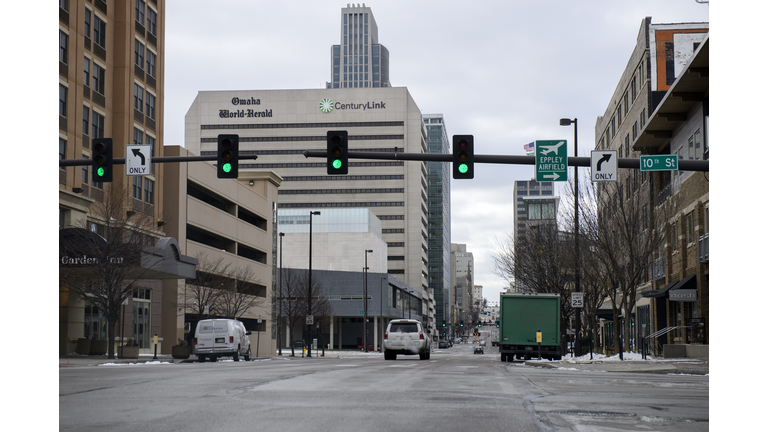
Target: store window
x: 142, y: 323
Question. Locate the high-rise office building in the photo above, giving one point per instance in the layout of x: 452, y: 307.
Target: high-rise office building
x: 111, y: 85
x: 439, y: 231
x: 535, y: 204
x: 359, y: 61
x: 278, y: 125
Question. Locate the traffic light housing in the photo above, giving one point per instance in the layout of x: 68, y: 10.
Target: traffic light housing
x: 101, y: 160
x: 463, y: 157
x: 227, y: 156
x: 337, y: 163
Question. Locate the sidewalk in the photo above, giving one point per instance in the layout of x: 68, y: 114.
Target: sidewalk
x: 687, y: 366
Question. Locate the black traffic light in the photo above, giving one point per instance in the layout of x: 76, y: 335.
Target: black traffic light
x: 227, y: 156
x: 101, y: 160
x: 463, y: 157
x: 336, y: 142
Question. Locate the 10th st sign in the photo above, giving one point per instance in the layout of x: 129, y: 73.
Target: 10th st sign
x: 551, y: 160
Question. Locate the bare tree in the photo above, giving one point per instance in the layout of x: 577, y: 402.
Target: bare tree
x: 102, y: 258
x: 241, y: 293
x: 619, y: 226
x: 292, y: 301
x: 205, y: 290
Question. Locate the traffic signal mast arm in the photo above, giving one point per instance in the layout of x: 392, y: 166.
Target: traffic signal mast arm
x: 160, y: 159
x: 630, y: 163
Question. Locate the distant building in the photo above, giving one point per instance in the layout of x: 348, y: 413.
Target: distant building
x: 531, y: 197
x: 359, y: 61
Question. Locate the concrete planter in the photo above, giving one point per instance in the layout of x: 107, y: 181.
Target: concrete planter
x: 98, y: 347
x: 128, y: 352
x: 180, y: 352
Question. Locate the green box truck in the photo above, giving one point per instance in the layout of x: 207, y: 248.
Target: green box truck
x: 521, y: 317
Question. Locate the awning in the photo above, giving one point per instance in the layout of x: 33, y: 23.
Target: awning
x: 685, y: 291
x: 662, y: 293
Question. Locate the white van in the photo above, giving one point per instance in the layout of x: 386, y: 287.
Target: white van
x: 222, y: 338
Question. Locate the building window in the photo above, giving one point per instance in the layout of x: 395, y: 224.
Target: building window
x: 86, y: 117
x: 95, y: 323
x: 99, y: 32
x: 63, y: 44
x: 87, y: 23
x: 138, y: 136
x: 151, y: 58
x: 62, y: 100
x: 62, y: 149
x: 99, y: 78
x: 149, y: 191
x: 689, y: 220
x: 150, y: 140
x: 694, y: 146
x: 64, y: 4
x: 138, y: 98
x: 140, y: 7
x: 150, y: 106
x: 137, y: 187
x: 642, y: 118
x: 86, y: 71
x: 152, y: 21
x: 673, y: 236
x: 138, y: 53
x: 97, y: 125
x: 84, y: 172
x: 141, y: 316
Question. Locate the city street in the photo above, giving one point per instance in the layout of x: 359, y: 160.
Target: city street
x: 454, y: 390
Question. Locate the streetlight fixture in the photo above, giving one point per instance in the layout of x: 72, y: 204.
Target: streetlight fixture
x: 309, y: 290
x: 280, y: 299
x: 365, y: 301
x: 567, y: 122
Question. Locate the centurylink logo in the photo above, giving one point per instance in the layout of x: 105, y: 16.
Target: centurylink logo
x: 326, y: 105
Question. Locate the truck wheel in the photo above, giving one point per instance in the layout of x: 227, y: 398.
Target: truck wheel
x: 213, y: 359
x: 201, y: 358
x: 247, y: 355
x: 236, y: 355
x: 503, y: 357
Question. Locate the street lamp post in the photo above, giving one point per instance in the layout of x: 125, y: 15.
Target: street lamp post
x: 309, y: 290
x: 280, y: 300
x: 365, y: 302
x: 566, y: 122
x: 381, y: 310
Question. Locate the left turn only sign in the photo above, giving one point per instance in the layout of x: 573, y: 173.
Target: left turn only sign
x: 138, y: 160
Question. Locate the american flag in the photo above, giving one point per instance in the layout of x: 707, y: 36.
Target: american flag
x: 529, y: 149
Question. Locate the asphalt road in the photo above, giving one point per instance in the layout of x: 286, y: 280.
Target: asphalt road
x: 454, y: 390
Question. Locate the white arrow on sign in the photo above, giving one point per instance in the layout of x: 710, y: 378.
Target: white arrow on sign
x: 138, y: 160
x: 553, y: 176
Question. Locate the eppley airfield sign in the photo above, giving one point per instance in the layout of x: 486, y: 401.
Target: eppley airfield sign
x: 552, y: 160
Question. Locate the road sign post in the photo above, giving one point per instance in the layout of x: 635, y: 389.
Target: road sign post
x: 658, y: 163
x: 551, y: 160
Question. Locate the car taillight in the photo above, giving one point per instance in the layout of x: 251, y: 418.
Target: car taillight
x: 386, y: 335
x: 421, y: 335
x: 231, y: 339
x: 195, y: 341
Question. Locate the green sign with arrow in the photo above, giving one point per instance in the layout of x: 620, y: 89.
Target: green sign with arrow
x: 551, y: 160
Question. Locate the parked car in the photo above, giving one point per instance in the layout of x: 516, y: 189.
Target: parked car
x: 442, y: 344
x: 216, y: 338
x: 407, y: 337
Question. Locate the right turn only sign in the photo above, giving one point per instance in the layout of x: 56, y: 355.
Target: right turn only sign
x: 605, y: 165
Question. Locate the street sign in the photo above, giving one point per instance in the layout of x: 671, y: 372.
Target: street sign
x: 577, y: 299
x: 551, y: 160
x: 605, y: 165
x: 658, y: 163
x: 310, y: 319
x: 138, y: 160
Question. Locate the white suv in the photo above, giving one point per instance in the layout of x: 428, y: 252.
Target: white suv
x: 405, y: 336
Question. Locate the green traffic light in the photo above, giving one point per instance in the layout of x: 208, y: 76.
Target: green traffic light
x: 337, y: 163
x: 463, y: 168
x: 100, y: 172
x: 227, y: 167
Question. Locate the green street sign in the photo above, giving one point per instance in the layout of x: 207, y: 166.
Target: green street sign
x: 658, y: 163
x: 552, y: 160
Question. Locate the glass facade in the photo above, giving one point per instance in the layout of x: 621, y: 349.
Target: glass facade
x: 439, y: 230
x: 329, y: 221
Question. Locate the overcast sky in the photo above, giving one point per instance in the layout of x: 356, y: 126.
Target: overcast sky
x: 503, y: 71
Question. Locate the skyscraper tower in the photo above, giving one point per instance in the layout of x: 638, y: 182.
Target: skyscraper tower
x: 359, y: 61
